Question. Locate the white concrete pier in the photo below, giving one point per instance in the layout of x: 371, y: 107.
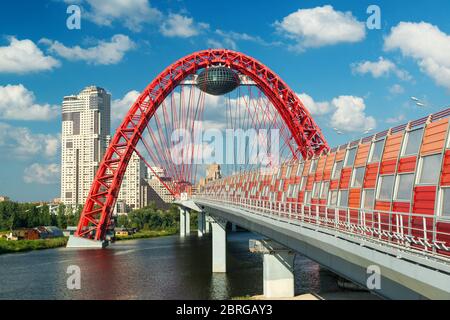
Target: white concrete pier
x: 278, y: 272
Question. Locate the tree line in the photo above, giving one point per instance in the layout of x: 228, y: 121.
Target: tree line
x: 15, y: 215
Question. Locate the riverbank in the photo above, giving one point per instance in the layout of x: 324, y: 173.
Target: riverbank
x: 147, y: 234
x: 30, y: 245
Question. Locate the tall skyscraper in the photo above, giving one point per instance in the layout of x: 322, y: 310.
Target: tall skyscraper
x: 86, y: 127
x: 130, y: 194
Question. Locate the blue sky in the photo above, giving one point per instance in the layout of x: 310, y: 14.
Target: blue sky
x: 352, y: 78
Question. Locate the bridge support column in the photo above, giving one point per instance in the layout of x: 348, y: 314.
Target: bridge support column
x: 182, y: 222
x: 201, y: 224
x: 219, y: 245
x: 188, y: 223
x: 278, y: 271
x: 207, y: 224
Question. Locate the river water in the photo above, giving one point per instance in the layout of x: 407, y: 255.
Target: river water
x: 159, y: 268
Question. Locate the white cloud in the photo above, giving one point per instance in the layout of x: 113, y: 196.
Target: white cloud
x: 321, y: 26
x: 315, y: 108
x: 23, y: 56
x: 132, y: 13
x: 20, y: 142
x: 350, y: 116
x: 397, y: 119
x: 227, y: 43
x: 426, y: 44
x: 120, y: 107
x: 18, y: 103
x: 42, y: 173
x: 396, y: 89
x: 104, y: 53
x: 176, y: 25
x: 382, y: 67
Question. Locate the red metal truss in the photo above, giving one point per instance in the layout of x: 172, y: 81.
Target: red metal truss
x: 99, y: 205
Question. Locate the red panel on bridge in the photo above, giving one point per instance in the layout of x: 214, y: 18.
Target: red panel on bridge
x: 434, y: 138
x: 424, y: 199
x: 320, y: 168
x: 445, y: 179
x: 354, y: 199
x: 401, y: 207
x: 340, y: 155
x: 383, y: 206
x: 370, y: 179
x: 329, y: 166
x: 443, y: 234
x: 310, y: 183
x: 345, y: 178
x: 392, y: 148
x: 362, y: 155
x: 407, y: 164
x: 388, y: 167
x: 334, y: 184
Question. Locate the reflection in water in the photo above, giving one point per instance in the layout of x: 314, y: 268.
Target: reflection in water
x: 219, y: 286
x: 160, y: 268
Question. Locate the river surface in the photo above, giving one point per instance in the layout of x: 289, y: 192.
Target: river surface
x: 160, y: 268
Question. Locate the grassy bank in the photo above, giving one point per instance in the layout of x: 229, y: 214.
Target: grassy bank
x: 145, y: 234
x: 29, y: 245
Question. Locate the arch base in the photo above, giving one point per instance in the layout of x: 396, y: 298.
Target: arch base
x: 83, y: 243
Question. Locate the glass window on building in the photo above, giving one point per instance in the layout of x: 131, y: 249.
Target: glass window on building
x: 369, y: 198
x: 350, y: 157
x: 300, y: 169
x: 316, y: 190
x: 313, y: 166
x: 446, y: 202
x: 332, y: 200
x: 337, y: 170
x: 413, y: 142
x: 386, y: 188
x: 288, y: 172
x: 303, y: 183
x: 325, y: 188
x: 358, y: 177
x: 405, y: 183
x: 430, y: 169
x: 307, y: 198
x: 376, y: 151
x: 343, y: 198
x: 280, y: 187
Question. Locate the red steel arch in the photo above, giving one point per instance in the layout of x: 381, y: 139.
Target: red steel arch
x: 99, y: 205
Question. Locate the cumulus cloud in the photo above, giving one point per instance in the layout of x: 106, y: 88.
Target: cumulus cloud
x: 321, y: 26
x: 120, y: 107
x: 350, y: 116
x: 42, y: 173
x: 18, y: 103
x: 20, y: 142
x: 382, y: 67
x: 104, y: 53
x: 23, y: 56
x: 427, y: 45
x: 315, y: 108
x: 133, y: 14
x: 394, y: 120
x: 176, y: 25
x: 396, y: 89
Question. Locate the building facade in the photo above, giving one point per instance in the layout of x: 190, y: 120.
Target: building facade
x: 132, y: 195
x: 86, y: 127
x: 160, y: 191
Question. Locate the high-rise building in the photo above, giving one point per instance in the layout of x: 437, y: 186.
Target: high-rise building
x: 160, y: 191
x: 131, y: 193
x: 86, y: 127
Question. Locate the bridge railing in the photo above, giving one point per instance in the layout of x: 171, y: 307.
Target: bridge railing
x: 428, y: 234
